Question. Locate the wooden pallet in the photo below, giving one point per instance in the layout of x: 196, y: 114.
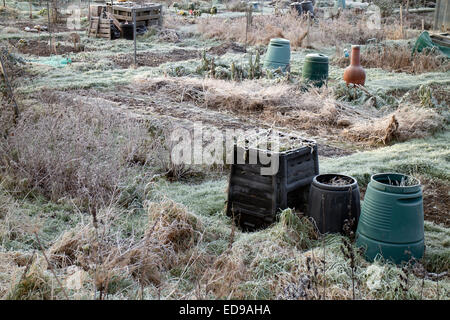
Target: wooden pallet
x: 146, y: 14
x: 100, y: 28
x: 96, y: 9
x: 442, y: 39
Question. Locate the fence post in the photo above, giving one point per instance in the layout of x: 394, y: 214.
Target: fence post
x: 134, y: 36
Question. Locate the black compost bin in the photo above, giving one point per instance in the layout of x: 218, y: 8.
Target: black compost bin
x: 127, y: 30
x: 255, y: 199
x: 334, y: 203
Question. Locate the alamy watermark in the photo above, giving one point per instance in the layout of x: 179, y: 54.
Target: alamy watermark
x: 206, y: 145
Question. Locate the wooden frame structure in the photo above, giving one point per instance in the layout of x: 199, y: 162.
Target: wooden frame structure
x: 146, y: 14
x: 100, y: 27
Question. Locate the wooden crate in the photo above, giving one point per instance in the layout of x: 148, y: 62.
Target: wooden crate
x: 255, y: 200
x: 96, y: 10
x: 100, y: 28
x: 146, y: 14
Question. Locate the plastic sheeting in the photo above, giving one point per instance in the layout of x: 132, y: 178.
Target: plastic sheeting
x: 425, y: 41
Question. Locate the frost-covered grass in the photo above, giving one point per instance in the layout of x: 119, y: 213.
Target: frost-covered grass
x: 220, y: 261
x: 421, y: 156
x: 268, y: 264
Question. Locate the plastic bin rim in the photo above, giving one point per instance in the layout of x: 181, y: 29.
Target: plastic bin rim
x: 325, y: 186
x: 394, y: 189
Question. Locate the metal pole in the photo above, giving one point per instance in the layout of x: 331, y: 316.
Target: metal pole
x: 134, y: 36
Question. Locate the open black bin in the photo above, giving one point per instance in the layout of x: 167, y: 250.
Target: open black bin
x: 333, y: 205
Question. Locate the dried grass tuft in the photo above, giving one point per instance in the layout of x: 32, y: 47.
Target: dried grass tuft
x: 406, y: 123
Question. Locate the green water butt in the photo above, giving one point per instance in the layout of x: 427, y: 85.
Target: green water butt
x: 315, y: 69
x: 278, y: 54
x: 391, y: 224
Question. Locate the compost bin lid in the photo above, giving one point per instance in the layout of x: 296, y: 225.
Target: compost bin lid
x: 316, y: 57
x: 280, y: 41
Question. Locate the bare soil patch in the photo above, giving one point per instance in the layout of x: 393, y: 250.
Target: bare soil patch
x: 154, y: 59
x: 60, y: 27
x: 40, y: 47
x: 226, y: 47
x: 436, y: 201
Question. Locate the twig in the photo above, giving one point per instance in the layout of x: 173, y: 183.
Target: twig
x: 50, y: 265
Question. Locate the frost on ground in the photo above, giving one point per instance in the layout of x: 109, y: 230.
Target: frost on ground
x: 85, y: 171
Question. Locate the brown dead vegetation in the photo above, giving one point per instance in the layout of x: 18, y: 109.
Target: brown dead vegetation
x: 170, y: 234
x: 315, y: 110
x: 63, y: 151
x: 403, y: 124
x: 399, y: 58
x: 346, y: 28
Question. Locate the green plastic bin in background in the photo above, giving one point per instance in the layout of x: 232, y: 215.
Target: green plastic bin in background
x: 278, y: 54
x: 391, y: 220
x: 315, y: 69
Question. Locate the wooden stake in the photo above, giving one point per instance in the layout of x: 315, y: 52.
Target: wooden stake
x: 423, y: 25
x: 49, y: 25
x: 307, y: 30
x: 31, y: 9
x: 134, y: 36
x: 248, y: 23
x: 401, y: 20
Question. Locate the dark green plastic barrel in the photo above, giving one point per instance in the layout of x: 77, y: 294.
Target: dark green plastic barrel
x: 391, y: 220
x: 315, y: 69
x: 278, y: 54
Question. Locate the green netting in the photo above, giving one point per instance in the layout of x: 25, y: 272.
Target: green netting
x: 424, y: 41
x: 53, y: 61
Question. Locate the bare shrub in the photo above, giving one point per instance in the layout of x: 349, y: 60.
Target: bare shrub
x: 78, y: 152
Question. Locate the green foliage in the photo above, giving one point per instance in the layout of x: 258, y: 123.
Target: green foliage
x: 358, y: 96
x: 425, y: 94
x: 230, y: 70
x: 43, y: 12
